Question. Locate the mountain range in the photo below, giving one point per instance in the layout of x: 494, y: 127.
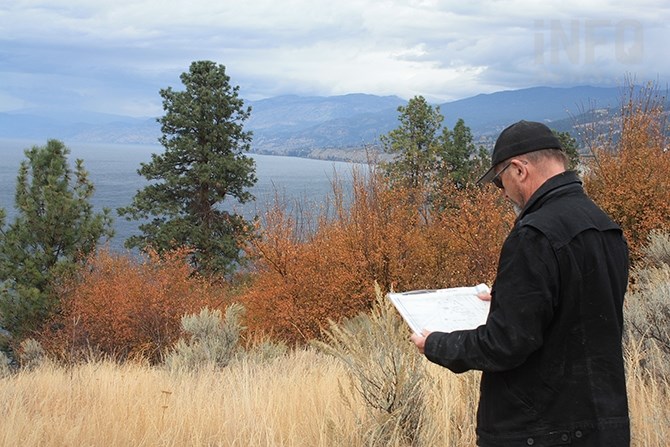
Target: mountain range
x: 327, y: 127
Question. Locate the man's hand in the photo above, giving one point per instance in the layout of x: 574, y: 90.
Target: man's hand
x: 484, y: 296
x: 420, y: 340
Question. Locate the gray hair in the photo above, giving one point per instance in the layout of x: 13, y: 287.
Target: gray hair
x: 536, y: 157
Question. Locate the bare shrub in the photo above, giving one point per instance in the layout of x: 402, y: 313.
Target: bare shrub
x: 386, y: 372
x: 211, y: 342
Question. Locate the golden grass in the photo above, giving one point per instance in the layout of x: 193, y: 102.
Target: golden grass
x: 649, y: 398
x: 292, y: 401
x: 287, y: 402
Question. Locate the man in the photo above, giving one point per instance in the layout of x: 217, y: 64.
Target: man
x: 550, y: 350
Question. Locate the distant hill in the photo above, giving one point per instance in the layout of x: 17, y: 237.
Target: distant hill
x: 490, y: 113
x: 79, y: 126
x: 296, y: 125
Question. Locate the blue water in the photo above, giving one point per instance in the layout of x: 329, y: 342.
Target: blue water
x: 113, y: 170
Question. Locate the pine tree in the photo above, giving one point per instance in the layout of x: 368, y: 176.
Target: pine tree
x: 202, y: 168
x: 414, y: 144
x: 56, y: 228
x: 569, y: 145
x: 426, y: 154
x: 460, y: 160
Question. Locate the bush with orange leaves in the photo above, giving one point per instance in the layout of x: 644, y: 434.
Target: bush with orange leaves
x: 629, y: 175
x: 124, y: 306
x: 379, y: 235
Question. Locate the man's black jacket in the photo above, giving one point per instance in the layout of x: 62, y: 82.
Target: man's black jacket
x: 550, y: 350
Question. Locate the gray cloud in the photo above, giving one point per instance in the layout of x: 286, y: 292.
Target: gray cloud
x: 114, y: 55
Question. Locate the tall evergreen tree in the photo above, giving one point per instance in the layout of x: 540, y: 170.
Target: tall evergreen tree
x: 414, y: 144
x: 569, y: 145
x: 55, y: 228
x: 460, y: 160
x: 202, y: 168
x: 424, y: 156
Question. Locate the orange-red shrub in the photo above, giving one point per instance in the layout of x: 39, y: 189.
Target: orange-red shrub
x: 123, y: 306
x: 629, y: 176
x: 384, y: 235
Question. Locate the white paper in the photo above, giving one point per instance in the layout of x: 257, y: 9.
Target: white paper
x: 443, y: 310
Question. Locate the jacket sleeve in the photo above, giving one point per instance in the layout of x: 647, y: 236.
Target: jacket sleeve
x: 522, y: 307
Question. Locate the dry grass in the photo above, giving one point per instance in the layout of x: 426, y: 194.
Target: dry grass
x: 649, y: 398
x: 292, y: 401
x: 452, y: 405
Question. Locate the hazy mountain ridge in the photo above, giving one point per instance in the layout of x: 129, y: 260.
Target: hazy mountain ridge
x: 305, y: 111
x: 490, y: 113
x: 295, y: 125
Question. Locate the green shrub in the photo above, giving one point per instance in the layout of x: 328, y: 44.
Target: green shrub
x: 264, y: 351
x: 647, y: 311
x: 211, y: 342
x: 31, y: 354
x: 387, y: 372
x: 5, y: 369
x: 657, y: 250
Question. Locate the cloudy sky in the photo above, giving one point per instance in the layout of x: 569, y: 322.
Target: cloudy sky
x: 115, y: 55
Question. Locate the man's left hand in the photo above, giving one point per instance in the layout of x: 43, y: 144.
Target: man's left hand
x: 420, y: 340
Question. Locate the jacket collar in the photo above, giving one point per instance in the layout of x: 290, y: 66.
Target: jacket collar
x: 561, y: 183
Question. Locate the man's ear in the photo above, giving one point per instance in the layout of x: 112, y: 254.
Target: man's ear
x: 521, y: 170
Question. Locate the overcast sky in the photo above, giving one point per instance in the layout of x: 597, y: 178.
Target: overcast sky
x: 115, y: 55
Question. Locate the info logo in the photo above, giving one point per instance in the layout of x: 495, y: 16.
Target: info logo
x: 588, y: 41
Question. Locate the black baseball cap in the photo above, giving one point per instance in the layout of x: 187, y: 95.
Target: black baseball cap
x: 520, y: 138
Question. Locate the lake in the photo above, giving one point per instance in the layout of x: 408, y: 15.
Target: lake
x: 113, y: 170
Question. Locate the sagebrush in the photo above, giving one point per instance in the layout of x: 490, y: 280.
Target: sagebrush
x: 211, y: 339
x: 387, y: 374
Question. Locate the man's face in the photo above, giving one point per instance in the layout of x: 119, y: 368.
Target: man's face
x: 508, y: 183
